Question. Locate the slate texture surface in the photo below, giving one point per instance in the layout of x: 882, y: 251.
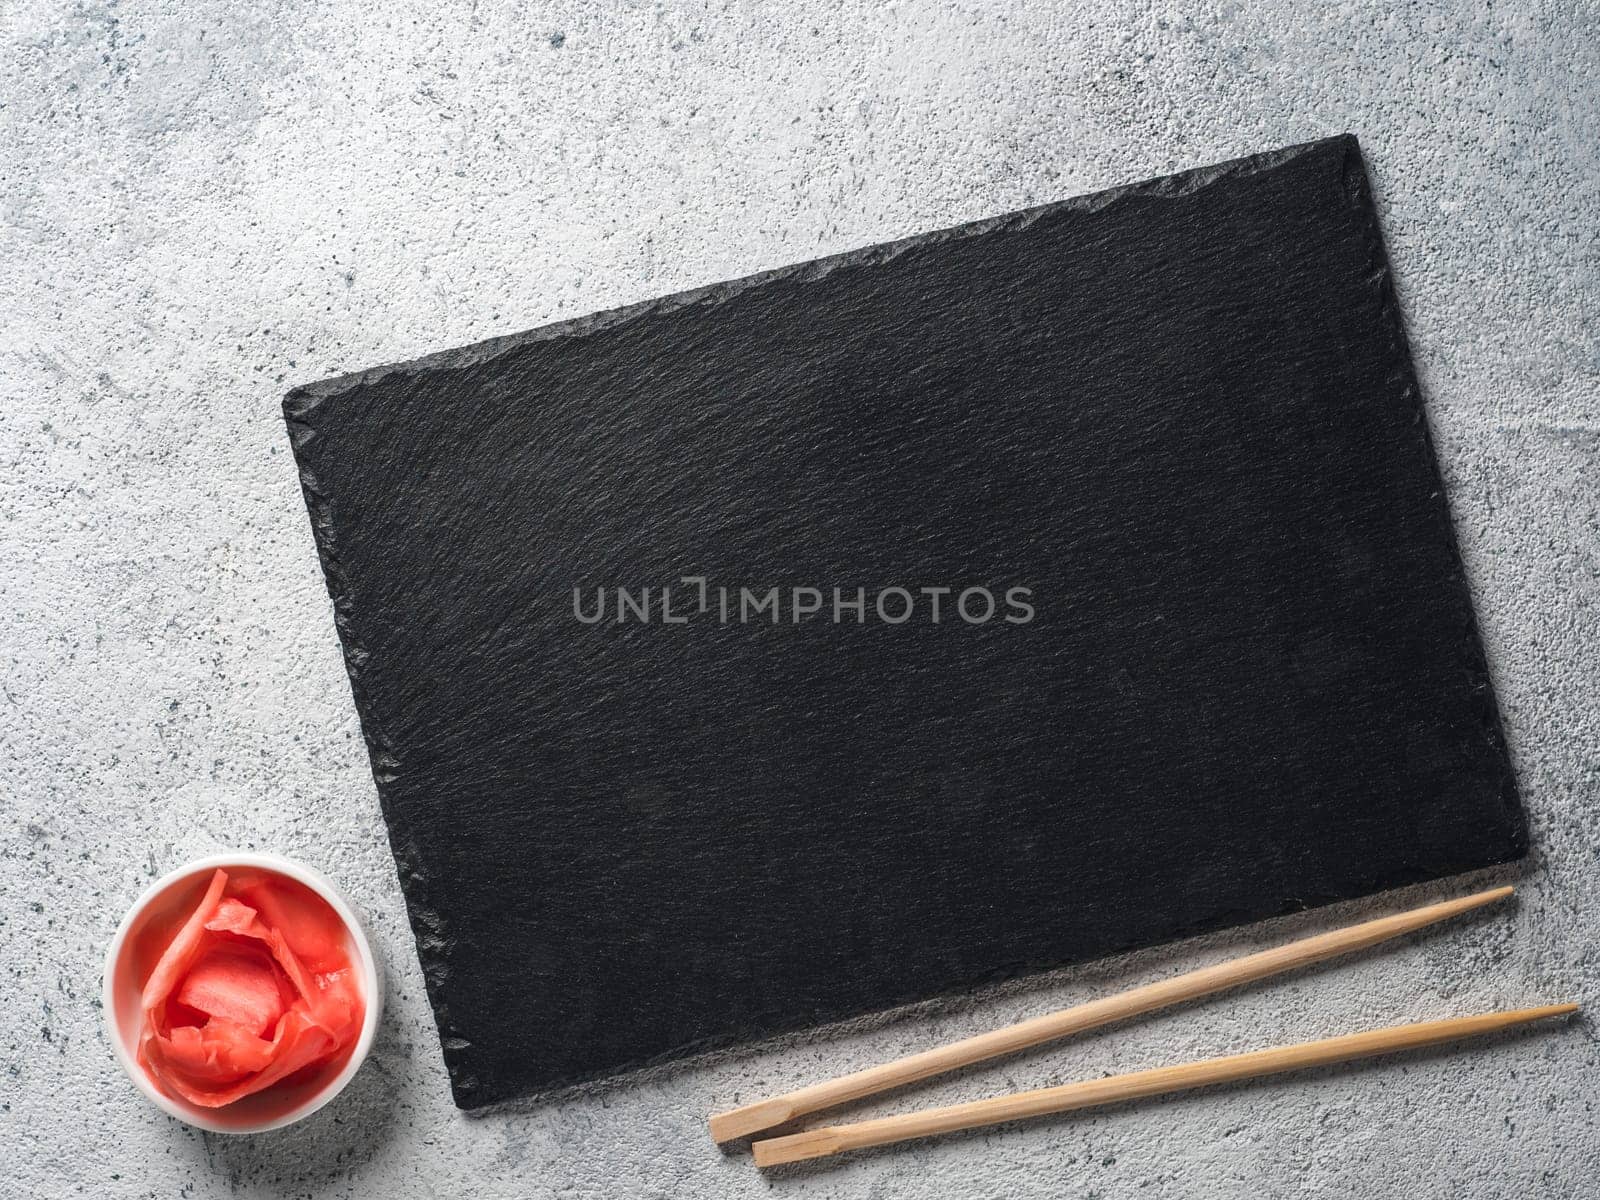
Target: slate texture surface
x: 1206, y: 652
x: 203, y: 207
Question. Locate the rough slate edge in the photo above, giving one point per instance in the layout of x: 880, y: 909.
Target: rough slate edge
x: 428, y: 924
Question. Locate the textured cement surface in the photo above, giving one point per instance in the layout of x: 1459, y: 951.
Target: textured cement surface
x: 202, y: 203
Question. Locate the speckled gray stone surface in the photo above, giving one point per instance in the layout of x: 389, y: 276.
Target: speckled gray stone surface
x: 204, y: 203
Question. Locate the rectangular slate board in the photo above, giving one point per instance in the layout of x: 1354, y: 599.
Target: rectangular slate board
x: 1180, y: 414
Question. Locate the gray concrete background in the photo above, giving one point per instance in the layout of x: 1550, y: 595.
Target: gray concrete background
x: 206, y: 202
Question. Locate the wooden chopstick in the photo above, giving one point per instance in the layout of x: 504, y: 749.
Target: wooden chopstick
x: 834, y: 1139
x: 766, y: 1114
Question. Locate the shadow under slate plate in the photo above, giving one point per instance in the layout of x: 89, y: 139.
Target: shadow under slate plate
x: 1180, y: 414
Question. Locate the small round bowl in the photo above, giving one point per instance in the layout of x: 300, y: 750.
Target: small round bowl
x: 178, y: 892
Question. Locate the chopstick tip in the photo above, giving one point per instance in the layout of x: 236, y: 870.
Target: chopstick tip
x: 750, y: 1119
x: 796, y: 1147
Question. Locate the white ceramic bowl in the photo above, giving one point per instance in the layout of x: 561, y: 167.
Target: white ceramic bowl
x: 121, y: 990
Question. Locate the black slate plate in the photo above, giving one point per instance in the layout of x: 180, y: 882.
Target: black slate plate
x: 1180, y: 414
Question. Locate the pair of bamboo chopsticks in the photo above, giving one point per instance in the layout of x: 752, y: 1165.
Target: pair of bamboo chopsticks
x: 766, y: 1115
